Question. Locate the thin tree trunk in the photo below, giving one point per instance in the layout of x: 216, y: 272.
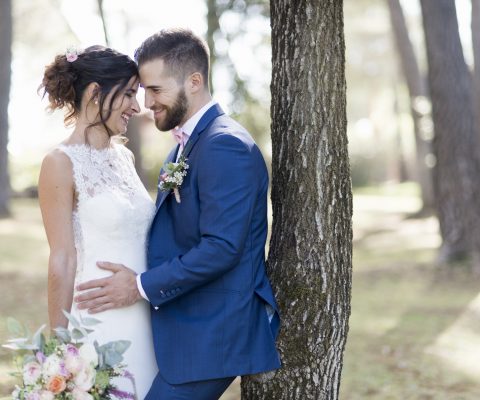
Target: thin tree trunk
x: 310, y: 254
x: 5, y: 74
x: 476, y: 58
x: 213, y: 25
x: 456, y: 144
x: 417, y: 89
x: 104, y: 23
x: 135, y: 145
x: 133, y: 131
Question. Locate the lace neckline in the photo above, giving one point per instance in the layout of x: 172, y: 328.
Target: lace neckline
x: 86, y: 146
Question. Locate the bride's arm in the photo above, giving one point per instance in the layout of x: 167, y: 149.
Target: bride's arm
x: 56, y: 197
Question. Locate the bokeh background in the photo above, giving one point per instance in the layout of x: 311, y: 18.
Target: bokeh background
x: 414, y: 328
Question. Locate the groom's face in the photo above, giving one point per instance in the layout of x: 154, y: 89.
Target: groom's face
x: 164, y: 95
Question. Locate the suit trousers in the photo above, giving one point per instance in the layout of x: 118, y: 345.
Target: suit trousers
x: 201, y: 390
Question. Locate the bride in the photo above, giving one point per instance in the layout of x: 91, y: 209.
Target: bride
x: 93, y: 205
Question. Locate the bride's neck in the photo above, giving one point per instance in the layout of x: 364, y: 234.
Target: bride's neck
x: 96, y: 136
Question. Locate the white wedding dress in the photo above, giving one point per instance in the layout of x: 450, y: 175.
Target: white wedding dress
x: 111, y: 221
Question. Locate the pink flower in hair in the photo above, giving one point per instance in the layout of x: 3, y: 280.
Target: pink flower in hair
x: 71, y: 54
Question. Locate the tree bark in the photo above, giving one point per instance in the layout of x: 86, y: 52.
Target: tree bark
x: 418, y: 92
x: 456, y: 144
x: 309, y: 261
x: 5, y: 74
x: 476, y: 58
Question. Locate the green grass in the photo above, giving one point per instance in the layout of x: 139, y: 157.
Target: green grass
x: 411, y: 323
x: 414, y: 329
x: 23, y: 279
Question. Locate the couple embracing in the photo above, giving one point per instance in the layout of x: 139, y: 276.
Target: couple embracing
x: 184, y: 278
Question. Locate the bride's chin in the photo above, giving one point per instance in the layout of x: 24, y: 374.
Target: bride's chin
x: 120, y: 131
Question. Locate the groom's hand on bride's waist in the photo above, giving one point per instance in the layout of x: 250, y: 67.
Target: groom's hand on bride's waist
x: 115, y: 291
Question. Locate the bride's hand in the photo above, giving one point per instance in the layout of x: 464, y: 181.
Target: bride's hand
x: 118, y: 290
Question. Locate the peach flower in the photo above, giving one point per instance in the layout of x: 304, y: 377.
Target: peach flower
x: 56, y: 384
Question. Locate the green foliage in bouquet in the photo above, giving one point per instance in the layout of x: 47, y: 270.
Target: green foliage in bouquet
x: 66, y: 366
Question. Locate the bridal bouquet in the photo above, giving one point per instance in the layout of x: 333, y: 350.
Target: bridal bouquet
x: 66, y: 366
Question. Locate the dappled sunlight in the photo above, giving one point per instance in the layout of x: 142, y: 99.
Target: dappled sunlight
x: 23, y: 247
x: 459, y: 345
x: 384, y: 232
x: 401, y: 305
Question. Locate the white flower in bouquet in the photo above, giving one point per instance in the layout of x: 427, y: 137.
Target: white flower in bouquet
x: 85, y: 379
x: 46, y: 395
x: 32, y: 396
x: 78, y: 394
x: 52, y: 366
x: 73, y: 364
x: 89, y: 354
x: 32, y: 371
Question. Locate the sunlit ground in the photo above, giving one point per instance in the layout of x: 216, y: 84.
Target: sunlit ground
x: 414, y: 329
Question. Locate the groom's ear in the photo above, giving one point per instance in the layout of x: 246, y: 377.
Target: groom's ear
x: 195, y: 82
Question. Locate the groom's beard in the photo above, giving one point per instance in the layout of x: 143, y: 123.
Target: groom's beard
x: 174, y: 115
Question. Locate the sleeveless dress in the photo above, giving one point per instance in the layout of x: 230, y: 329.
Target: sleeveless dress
x: 110, y: 222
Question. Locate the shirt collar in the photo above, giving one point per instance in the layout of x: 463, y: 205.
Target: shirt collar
x: 192, y: 122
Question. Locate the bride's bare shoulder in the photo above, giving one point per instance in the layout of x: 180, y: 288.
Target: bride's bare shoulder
x: 56, y: 168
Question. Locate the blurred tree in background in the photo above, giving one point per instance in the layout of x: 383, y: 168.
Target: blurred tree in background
x: 456, y: 142
x: 475, y: 27
x: 379, y: 139
x: 6, y: 22
x: 309, y: 261
x: 249, y: 108
x: 418, y: 94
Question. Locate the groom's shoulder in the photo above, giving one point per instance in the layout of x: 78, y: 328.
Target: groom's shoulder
x: 226, y: 128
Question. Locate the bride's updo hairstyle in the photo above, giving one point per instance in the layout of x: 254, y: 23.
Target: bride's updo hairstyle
x: 67, y: 77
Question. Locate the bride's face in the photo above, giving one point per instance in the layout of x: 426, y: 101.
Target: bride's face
x: 124, y: 106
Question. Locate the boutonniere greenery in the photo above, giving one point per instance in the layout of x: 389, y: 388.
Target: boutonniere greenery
x: 172, y: 177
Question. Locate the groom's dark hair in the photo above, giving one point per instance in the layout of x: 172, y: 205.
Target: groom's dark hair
x: 182, y: 51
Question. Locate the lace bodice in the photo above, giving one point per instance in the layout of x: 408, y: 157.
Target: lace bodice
x: 113, y: 209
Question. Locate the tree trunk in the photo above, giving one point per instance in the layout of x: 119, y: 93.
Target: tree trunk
x: 418, y: 92
x: 310, y: 254
x: 5, y: 74
x: 456, y: 144
x: 135, y: 145
x: 476, y: 58
x: 104, y: 23
x: 213, y: 25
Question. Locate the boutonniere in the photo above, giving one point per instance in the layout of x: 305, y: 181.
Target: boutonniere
x: 172, y: 177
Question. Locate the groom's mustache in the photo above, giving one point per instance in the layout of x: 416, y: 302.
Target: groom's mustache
x: 158, y: 108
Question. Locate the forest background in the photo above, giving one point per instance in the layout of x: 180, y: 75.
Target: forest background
x: 414, y: 324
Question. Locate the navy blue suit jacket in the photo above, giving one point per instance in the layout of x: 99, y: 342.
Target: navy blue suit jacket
x: 206, y: 276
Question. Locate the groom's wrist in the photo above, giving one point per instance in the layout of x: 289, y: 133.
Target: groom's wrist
x: 140, y: 289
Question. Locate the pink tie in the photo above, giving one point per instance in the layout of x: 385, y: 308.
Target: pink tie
x: 180, y: 137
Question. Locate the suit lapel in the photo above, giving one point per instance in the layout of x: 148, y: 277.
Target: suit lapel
x: 212, y: 113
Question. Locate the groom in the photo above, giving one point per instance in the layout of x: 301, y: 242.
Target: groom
x: 214, y: 315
